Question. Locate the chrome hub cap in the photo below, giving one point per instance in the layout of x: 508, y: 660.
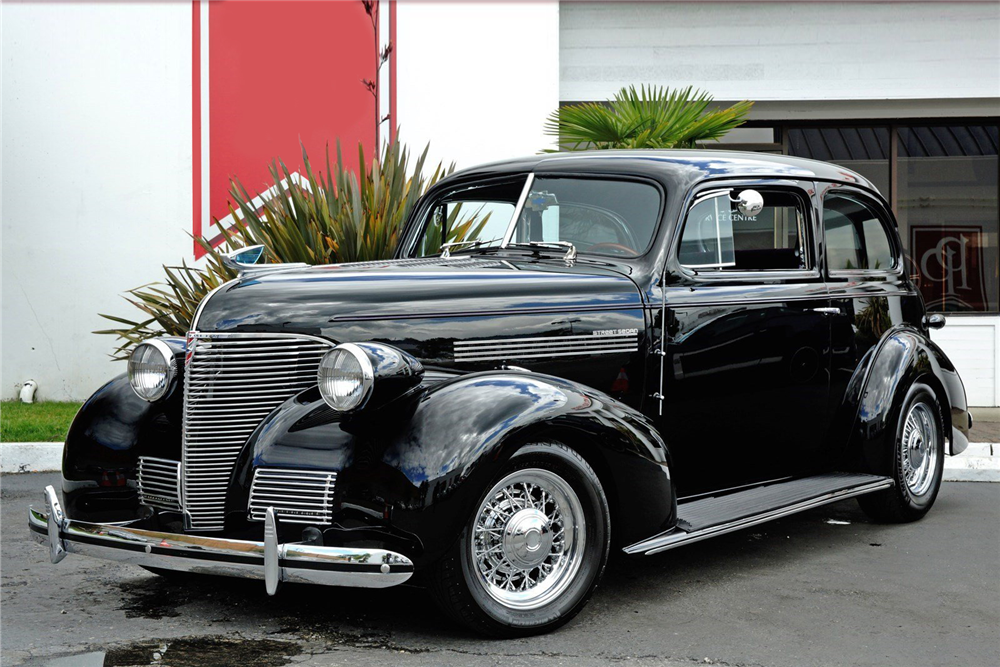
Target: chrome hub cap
x: 528, y: 538
x: 918, y: 450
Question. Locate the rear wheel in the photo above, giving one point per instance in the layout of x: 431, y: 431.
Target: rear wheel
x: 533, y: 550
x: 917, y: 461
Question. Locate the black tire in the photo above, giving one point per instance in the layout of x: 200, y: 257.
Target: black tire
x: 462, y: 592
x: 902, y: 502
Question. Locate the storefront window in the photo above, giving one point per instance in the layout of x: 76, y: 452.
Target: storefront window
x: 861, y: 149
x: 944, y: 196
x: 946, y: 205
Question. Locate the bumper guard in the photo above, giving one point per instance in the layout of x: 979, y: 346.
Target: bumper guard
x: 267, y: 560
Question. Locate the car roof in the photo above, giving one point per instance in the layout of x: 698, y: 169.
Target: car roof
x: 681, y: 166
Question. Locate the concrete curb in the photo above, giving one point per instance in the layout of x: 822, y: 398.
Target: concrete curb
x: 30, y: 456
x: 979, y: 463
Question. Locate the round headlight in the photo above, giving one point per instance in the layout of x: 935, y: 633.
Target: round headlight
x: 345, y: 377
x: 151, y: 370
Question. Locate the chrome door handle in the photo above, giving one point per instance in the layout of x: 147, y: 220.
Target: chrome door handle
x: 827, y: 311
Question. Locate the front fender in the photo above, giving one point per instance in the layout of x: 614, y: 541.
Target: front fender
x: 879, y: 385
x: 420, y: 463
x: 109, y: 433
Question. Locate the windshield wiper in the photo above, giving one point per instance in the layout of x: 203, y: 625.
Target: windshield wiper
x: 569, y: 257
x: 446, y: 247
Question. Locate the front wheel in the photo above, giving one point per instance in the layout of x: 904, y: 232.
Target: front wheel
x: 533, y: 550
x: 917, y: 461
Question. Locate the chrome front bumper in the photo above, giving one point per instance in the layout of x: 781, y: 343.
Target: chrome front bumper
x: 267, y: 560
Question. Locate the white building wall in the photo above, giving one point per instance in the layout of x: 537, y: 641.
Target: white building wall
x: 476, y: 79
x: 96, y: 178
x: 782, y: 50
x: 973, y: 345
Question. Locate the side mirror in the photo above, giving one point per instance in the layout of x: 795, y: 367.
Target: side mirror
x: 750, y: 203
x: 936, y: 321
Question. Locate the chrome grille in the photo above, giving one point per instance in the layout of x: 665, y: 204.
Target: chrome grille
x: 297, y: 496
x: 231, y: 382
x: 160, y: 483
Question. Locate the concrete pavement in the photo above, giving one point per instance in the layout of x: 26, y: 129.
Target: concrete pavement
x: 821, y: 588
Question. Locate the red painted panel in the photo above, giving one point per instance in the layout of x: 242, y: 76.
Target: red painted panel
x: 280, y: 73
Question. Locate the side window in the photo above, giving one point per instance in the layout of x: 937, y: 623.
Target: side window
x: 856, y: 238
x: 717, y: 237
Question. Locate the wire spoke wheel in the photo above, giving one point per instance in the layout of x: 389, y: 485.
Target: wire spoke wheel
x: 528, y: 538
x: 918, y: 449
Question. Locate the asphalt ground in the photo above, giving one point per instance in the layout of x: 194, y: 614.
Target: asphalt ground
x: 825, y: 587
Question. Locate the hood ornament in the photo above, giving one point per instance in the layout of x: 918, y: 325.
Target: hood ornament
x: 244, y: 262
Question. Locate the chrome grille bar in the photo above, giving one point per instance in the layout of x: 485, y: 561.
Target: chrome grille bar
x: 159, y: 483
x: 297, y: 496
x: 231, y: 383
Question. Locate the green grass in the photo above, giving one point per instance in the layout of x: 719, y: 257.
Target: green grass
x: 36, y: 422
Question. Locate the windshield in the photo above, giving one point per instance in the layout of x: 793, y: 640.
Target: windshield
x: 479, y: 213
x: 598, y: 216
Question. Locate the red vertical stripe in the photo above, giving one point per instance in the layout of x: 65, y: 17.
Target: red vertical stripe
x: 393, y: 121
x: 196, y: 120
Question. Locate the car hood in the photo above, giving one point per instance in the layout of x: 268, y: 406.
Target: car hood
x: 361, y: 301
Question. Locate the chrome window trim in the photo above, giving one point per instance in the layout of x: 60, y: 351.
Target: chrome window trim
x: 809, y: 236
x: 518, y: 208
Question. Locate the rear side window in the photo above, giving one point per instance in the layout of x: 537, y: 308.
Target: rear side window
x: 717, y: 237
x: 856, y: 238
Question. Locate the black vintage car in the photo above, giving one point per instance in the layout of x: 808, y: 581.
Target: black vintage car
x: 569, y: 355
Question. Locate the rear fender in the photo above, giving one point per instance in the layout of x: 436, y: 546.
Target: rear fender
x: 876, y: 392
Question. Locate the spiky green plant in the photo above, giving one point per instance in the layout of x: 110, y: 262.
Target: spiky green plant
x: 647, y: 117
x: 326, y: 217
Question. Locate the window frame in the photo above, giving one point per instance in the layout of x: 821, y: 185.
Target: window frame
x: 408, y: 246
x: 799, y: 189
x: 886, y: 220
x: 422, y: 214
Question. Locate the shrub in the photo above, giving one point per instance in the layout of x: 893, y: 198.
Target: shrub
x: 326, y: 217
x: 650, y: 117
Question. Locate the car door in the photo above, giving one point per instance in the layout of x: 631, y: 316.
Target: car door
x: 746, y: 363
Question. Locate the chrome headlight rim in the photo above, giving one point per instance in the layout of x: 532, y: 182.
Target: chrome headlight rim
x: 170, y: 360
x: 367, y: 377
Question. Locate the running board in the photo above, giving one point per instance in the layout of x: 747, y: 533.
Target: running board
x: 707, y: 517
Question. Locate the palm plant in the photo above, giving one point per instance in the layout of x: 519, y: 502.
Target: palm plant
x: 647, y: 117
x: 326, y: 217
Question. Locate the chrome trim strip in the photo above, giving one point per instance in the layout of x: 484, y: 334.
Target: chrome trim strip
x: 201, y: 306
x: 544, y: 339
x: 547, y: 346
x: 659, y: 543
x: 303, y: 563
